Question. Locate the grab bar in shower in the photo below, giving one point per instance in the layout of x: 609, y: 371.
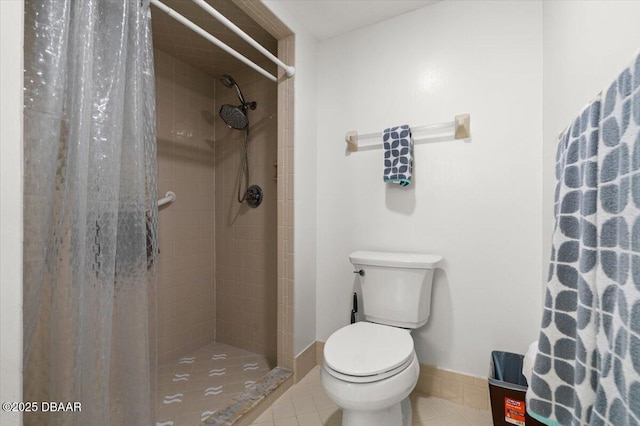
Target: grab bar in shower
x: 169, y: 197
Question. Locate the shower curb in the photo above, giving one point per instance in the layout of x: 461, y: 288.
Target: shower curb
x: 243, y: 403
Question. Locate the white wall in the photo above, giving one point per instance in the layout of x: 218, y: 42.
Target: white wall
x: 586, y: 45
x: 11, y: 40
x: 304, y: 242
x: 477, y: 203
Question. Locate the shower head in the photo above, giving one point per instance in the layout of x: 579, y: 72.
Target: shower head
x: 229, y: 82
x: 235, y: 116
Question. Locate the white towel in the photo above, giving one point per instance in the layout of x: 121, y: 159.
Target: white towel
x: 529, y: 360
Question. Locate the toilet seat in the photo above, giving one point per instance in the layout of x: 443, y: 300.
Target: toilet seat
x: 369, y: 379
x: 366, y: 352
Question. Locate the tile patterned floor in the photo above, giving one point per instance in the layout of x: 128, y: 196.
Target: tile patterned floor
x: 198, y: 384
x: 306, y: 404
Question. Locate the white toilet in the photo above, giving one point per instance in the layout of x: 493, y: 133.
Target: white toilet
x: 370, y: 368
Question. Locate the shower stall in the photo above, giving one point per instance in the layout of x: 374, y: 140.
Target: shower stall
x: 217, y: 267
x: 199, y: 306
x: 217, y: 276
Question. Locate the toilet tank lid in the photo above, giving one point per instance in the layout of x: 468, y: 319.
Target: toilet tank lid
x: 395, y: 260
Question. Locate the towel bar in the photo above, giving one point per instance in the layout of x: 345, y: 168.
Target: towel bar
x: 461, y: 130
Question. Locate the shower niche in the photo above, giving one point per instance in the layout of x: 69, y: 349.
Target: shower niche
x: 217, y: 268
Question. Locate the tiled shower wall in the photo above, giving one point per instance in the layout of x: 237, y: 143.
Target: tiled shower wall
x: 286, y: 52
x: 246, y: 238
x: 186, y: 119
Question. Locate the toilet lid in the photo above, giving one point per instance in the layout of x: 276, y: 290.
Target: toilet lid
x: 373, y: 378
x: 366, y: 349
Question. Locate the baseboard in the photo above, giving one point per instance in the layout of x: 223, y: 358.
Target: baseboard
x: 319, y: 352
x: 461, y: 388
x: 304, y: 362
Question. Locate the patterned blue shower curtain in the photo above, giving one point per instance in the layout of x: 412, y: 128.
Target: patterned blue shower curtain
x: 587, y: 371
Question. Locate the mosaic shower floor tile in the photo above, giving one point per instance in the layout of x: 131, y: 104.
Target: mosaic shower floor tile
x: 198, y: 384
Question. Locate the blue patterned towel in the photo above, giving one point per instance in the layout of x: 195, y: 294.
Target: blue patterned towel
x: 398, y: 155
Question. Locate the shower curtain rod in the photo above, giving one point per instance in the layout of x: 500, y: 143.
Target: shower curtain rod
x: 289, y: 70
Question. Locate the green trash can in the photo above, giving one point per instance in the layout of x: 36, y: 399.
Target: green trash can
x: 507, y: 389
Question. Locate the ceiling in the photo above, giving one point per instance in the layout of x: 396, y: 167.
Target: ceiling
x: 177, y: 40
x: 322, y: 18
x: 330, y: 18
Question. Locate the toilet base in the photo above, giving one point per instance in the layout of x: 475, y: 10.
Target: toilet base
x: 380, y: 403
x: 397, y: 415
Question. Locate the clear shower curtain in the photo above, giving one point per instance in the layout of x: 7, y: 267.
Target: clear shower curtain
x: 90, y: 211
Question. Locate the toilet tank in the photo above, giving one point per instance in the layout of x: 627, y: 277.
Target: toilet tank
x: 396, y: 287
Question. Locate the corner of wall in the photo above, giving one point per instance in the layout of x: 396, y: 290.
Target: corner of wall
x: 305, y: 179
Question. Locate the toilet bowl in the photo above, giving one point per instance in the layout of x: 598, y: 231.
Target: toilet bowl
x: 369, y: 371
x: 371, y: 367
